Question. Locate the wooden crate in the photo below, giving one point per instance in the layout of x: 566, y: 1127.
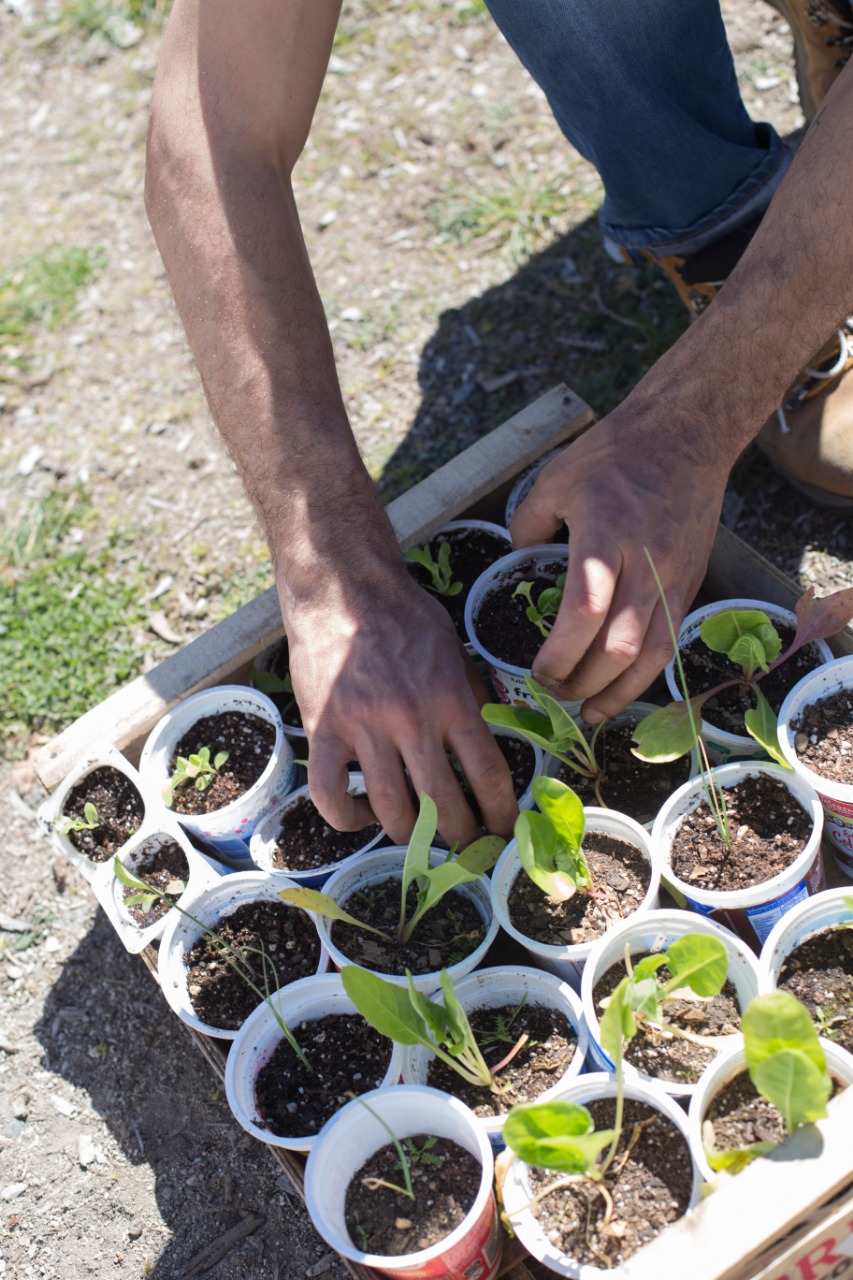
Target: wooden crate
x: 788, y: 1217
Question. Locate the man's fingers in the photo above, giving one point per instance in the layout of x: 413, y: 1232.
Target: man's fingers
x: 431, y: 771
x: 535, y: 521
x: 587, y: 599
x: 328, y: 783
x: 489, y: 778
x: 630, y: 684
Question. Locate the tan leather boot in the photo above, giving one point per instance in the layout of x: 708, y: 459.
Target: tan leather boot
x: 823, y: 41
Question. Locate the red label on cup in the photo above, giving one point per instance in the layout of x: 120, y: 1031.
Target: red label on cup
x: 475, y: 1257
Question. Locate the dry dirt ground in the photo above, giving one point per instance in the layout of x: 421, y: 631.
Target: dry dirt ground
x: 453, y: 235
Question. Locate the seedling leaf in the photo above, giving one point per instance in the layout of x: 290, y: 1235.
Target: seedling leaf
x: 556, y: 1135
x: 761, y: 721
x: 666, y: 734
x: 322, y: 904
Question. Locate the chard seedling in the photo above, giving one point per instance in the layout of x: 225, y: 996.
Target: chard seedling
x: 432, y: 882
x: 552, y: 729
x: 787, y: 1066
x: 550, y: 841
x: 748, y: 638
x: 543, y: 611
x: 90, y: 820
x: 441, y: 575
x: 409, y: 1017
x: 197, y: 768
x: 238, y: 958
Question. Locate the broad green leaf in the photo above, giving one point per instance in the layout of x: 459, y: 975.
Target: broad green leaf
x: 779, y: 1021
x: 737, y: 1158
x: 562, y: 807
x: 90, y: 813
x: 482, y: 854
x: 555, y: 1135
x: 127, y: 877
x: 795, y: 1085
x: 386, y: 1006
x: 564, y: 731
x: 539, y: 848
x: 666, y: 734
x: 532, y: 725
x: 749, y: 654
x: 699, y: 962
x: 761, y: 721
x: 322, y: 904
x: 436, y: 883
x: 220, y: 758
x: 417, y: 854
x: 433, y: 1014
x: 645, y: 997
x: 648, y: 965
x: 269, y: 682
x: 746, y: 636
x: 618, y: 1024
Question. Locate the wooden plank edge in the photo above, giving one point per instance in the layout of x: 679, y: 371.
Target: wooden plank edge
x: 132, y: 711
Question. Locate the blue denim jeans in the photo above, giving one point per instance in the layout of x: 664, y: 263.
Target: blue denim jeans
x: 646, y: 91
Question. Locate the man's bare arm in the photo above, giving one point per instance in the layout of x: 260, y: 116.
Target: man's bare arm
x: 376, y: 667
x: 653, y: 473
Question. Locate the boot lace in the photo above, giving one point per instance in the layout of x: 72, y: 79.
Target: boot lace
x: 813, y: 381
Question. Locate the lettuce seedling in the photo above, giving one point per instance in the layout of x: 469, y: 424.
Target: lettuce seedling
x: 550, y: 841
x: 432, y: 882
x: 439, y: 570
x: 90, y: 820
x: 552, y: 729
x: 409, y: 1017
x: 748, y: 638
x: 542, y: 611
x: 787, y: 1066
x: 197, y: 768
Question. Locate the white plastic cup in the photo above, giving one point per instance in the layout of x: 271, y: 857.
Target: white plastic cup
x: 352, y: 1136
x: 567, y: 962
x: 150, y: 837
x: 750, y: 913
x: 306, y: 1000
x: 492, y: 989
x: 508, y: 680
x: 644, y: 935
x: 385, y: 864
x: 731, y: 1062
x: 215, y: 902
x: 264, y: 842
x: 227, y: 831
x: 721, y: 745
x: 525, y: 482
x: 819, y: 914
x: 517, y: 1191
x: 836, y: 797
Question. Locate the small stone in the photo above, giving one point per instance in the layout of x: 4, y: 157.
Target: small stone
x: 801, y: 741
x: 403, y: 1224
x: 134, y: 1232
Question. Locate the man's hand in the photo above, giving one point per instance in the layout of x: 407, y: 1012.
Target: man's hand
x: 628, y: 484
x: 381, y: 678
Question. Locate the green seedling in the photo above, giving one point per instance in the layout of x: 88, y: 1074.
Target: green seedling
x: 432, y: 882
x: 550, y: 841
x: 748, y: 638
x: 543, y: 611
x: 409, y: 1017
x: 90, y: 820
x: 787, y: 1066
x: 422, y: 1154
x: 403, y: 1159
x: 145, y: 898
x: 275, y: 686
x: 552, y: 729
x: 238, y: 958
x: 197, y: 768
x: 439, y: 570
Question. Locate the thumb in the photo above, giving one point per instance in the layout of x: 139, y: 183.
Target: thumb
x: 535, y: 521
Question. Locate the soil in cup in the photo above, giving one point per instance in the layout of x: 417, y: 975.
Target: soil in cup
x: 541, y: 1062
x: 346, y: 1055
x: 306, y: 842
x: 120, y: 812
x: 249, y: 741
x: 621, y: 877
x: 768, y: 828
x: 661, y: 1054
x: 472, y: 551
x: 445, y: 1180
x: 739, y: 1115
x: 291, y: 950
x: 650, y: 1182
x: 819, y: 972
x: 630, y: 786
x: 502, y: 625
x: 161, y: 861
x: 445, y: 936
x: 823, y: 737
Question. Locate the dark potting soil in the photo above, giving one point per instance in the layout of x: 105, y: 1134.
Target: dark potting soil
x: 274, y: 944
x: 445, y: 1180
x: 472, y: 551
x: 725, y: 710
x: 162, y: 863
x: 502, y: 624
x: 279, y: 665
x: 538, y: 1065
x: 446, y: 934
x: 649, y: 1189
x: 305, y: 840
x: 346, y: 1056
x: 768, y: 828
x: 621, y: 877
x: 824, y: 737
x: 663, y: 1055
x: 521, y: 760
x: 819, y: 972
x: 629, y: 785
x: 738, y: 1115
x: 120, y: 812
x: 249, y: 741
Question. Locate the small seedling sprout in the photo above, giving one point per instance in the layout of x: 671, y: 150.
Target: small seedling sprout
x: 197, y: 768
x: 270, y: 683
x: 89, y: 822
x: 549, y: 841
x: 440, y: 573
x: 373, y: 1184
x: 542, y: 611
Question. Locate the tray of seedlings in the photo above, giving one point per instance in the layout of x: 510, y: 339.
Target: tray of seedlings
x: 620, y: 1042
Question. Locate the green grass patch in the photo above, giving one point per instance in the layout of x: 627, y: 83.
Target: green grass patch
x: 42, y: 291
x: 521, y: 215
